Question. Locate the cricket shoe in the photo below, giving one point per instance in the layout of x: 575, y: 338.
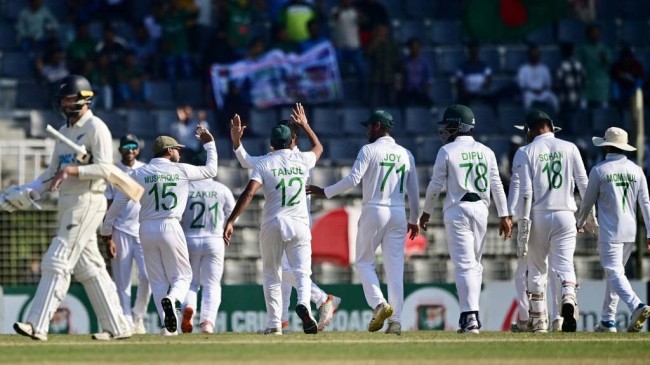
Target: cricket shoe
x: 538, y: 324
x: 207, y: 328
x: 605, y: 326
x: 138, y: 326
x: 639, y: 316
x: 556, y: 325
x: 107, y: 336
x: 326, y: 311
x: 379, y: 315
x: 469, y: 324
x: 309, y: 325
x: 165, y: 332
x: 519, y: 327
x: 170, y: 321
x: 188, y: 316
x: 394, y: 328
x: 26, y: 329
x: 271, y: 332
x: 570, y: 313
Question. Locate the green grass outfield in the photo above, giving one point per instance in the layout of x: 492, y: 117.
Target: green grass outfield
x: 335, y: 348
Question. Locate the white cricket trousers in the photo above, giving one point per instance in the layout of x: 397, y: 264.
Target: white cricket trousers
x: 75, y: 250
x: 206, y: 259
x: 613, y: 257
x: 552, y: 236
x: 385, y: 226
x: 318, y: 295
x: 278, y: 236
x: 465, y: 225
x: 129, y: 249
x: 521, y: 280
x: 166, y: 259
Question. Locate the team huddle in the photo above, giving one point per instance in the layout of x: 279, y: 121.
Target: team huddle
x: 178, y: 230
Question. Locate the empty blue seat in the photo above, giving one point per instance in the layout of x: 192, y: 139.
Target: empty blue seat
x: 551, y: 57
x: 262, y: 120
x: 352, y: 116
x: 490, y: 55
x: 141, y: 123
x: 510, y: 115
x: 486, y: 121
x: 428, y: 149
x: 113, y: 121
x: 409, y: 29
x: 419, y: 121
x: 543, y: 35
x: 326, y: 121
x: 190, y: 92
x: 343, y: 151
x: 515, y: 57
x: 449, y: 59
x: 635, y: 32
x: 441, y: 91
x: 31, y: 95
x: 161, y: 94
x: 446, y: 32
x: 7, y: 37
x: 418, y: 9
x: 570, y: 30
x: 17, y: 64
x: 165, y: 118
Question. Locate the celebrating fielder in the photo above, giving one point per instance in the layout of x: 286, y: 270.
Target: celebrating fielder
x: 469, y: 171
x: 208, y: 205
x: 617, y: 184
x: 285, y: 226
x: 81, y: 207
x: 388, y: 172
x: 166, y: 183
x: 326, y: 303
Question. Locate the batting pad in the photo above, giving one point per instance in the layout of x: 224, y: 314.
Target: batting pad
x: 103, y: 297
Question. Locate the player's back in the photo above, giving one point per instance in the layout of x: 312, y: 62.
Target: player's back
x: 283, y: 176
x: 554, y: 167
x: 468, y: 170
x: 389, y: 165
x: 166, y: 186
x: 620, y: 183
x: 208, y: 205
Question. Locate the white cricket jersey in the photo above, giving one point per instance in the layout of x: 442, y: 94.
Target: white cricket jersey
x: 616, y: 184
x: 514, y: 193
x: 283, y: 175
x: 91, y: 132
x: 127, y: 220
x: 549, y: 170
x: 466, y: 166
x: 208, y: 205
x: 166, y: 185
x: 388, y: 174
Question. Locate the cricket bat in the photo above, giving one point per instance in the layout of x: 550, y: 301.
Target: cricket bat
x: 117, y: 177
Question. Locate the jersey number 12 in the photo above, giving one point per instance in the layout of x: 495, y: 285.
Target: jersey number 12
x: 283, y: 186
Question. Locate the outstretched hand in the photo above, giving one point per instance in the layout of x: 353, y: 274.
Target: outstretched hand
x: 236, y: 129
x: 424, y: 220
x: 315, y: 190
x: 413, y: 230
x: 298, y: 115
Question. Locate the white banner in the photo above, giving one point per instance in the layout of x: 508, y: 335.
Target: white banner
x: 499, y: 305
x: 278, y: 78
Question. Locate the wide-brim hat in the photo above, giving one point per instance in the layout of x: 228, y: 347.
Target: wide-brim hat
x: 615, y: 137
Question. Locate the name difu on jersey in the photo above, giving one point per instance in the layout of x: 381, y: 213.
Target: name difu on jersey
x: 286, y: 171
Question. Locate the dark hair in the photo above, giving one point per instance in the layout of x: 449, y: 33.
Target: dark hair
x: 161, y: 154
x: 539, y: 122
x: 280, y: 146
x: 292, y: 126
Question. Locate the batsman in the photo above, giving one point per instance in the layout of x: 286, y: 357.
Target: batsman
x: 81, y: 207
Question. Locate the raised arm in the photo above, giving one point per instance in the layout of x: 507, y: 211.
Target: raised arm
x: 210, y: 168
x: 236, y: 132
x: 300, y: 118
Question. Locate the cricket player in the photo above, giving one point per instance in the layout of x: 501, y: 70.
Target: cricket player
x: 123, y: 243
x: 469, y: 172
x: 617, y: 185
x: 81, y: 207
x: 388, y: 173
x: 327, y: 304
x: 549, y: 169
x: 515, y: 209
x: 285, y: 224
x: 166, y: 185
x: 208, y: 205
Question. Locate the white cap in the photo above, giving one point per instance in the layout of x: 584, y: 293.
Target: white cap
x: 615, y: 137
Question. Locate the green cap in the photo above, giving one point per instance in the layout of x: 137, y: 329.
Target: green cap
x: 164, y: 142
x: 280, y: 136
x: 537, y: 115
x: 129, y: 141
x: 380, y: 116
x: 458, y: 114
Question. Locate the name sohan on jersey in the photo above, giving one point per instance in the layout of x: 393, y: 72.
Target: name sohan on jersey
x: 551, y: 156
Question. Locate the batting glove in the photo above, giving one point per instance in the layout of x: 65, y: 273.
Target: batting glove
x: 19, y: 198
x: 523, y: 234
